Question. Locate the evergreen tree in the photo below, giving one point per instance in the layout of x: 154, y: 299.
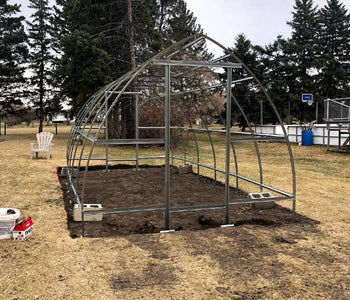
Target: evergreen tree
x: 55, y: 107
x: 302, y: 51
x: 176, y: 22
x: 13, y: 53
x: 180, y: 23
x: 101, y: 30
x: 130, y: 43
x: 335, y: 50
x: 244, y: 93
x: 84, y: 65
x: 105, y: 24
x: 41, y: 58
x: 148, y: 40
x: 276, y: 76
x: 58, y: 31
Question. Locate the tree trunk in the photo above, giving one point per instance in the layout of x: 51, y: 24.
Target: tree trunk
x: 128, y: 103
x: 41, y: 97
x: 114, y: 126
x: 41, y: 80
x: 122, y: 117
x: 131, y: 35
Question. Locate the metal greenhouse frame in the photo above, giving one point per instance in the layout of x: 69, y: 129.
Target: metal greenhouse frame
x: 153, y: 80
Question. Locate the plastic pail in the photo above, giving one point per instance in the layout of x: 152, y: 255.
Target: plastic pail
x: 8, y: 219
x: 306, y: 137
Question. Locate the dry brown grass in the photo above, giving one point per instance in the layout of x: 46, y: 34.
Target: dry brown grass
x: 294, y: 261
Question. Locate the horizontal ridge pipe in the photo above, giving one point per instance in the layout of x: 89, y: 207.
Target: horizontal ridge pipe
x: 182, y: 63
x: 214, y: 130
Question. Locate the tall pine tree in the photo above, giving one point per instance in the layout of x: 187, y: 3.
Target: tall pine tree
x: 84, y: 65
x: 302, y: 51
x: 275, y: 74
x: 13, y: 54
x: 41, y: 58
x: 179, y: 22
x: 244, y: 93
x: 101, y: 30
x: 335, y: 50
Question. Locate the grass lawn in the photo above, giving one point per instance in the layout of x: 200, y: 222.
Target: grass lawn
x: 300, y: 260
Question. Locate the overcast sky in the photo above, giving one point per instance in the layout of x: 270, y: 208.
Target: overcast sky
x: 260, y: 20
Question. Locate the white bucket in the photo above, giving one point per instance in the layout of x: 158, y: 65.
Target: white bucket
x: 8, y: 219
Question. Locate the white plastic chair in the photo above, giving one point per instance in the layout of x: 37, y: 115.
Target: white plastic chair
x: 43, y: 145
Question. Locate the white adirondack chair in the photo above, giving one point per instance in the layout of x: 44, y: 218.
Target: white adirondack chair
x: 43, y: 145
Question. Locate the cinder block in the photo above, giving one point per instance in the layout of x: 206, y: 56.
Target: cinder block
x: 64, y: 172
x: 87, y: 218
x: 262, y: 196
x: 185, y: 169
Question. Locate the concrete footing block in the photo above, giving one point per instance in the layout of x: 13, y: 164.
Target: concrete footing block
x: 186, y: 169
x: 64, y: 172
x: 87, y: 218
x: 261, y: 200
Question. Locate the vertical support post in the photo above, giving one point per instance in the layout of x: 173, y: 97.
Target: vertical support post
x: 341, y: 110
x: 5, y: 128
x: 261, y: 112
x: 167, y: 148
x: 137, y: 131
x: 323, y: 135
x: 56, y: 128
x: 327, y: 101
x: 213, y: 151
x: 339, y: 136
x: 289, y: 120
x: 197, y: 150
x: 316, y: 112
x: 297, y: 134
x: 183, y: 146
x: 82, y: 220
x: 328, y: 135
x: 106, y: 131
x: 228, y: 143
x: 236, y: 166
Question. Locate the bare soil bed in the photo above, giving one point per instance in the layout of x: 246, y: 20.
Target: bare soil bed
x: 124, y: 187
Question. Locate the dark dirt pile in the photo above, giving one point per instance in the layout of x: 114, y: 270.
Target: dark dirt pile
x: 123, y: 187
